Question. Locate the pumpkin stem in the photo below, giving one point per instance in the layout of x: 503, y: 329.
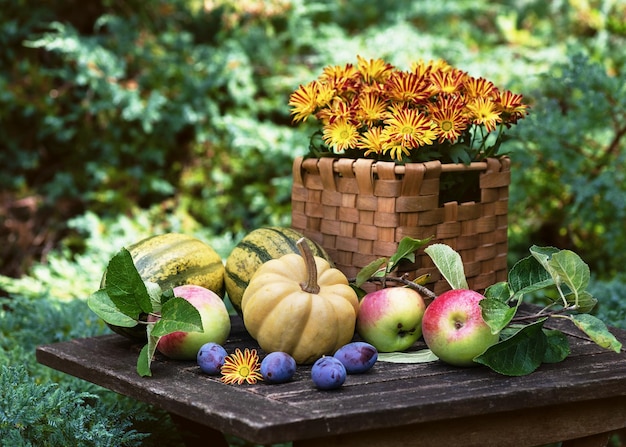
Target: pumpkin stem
x: 310, y: 285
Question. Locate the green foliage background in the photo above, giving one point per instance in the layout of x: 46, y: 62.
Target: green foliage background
x: 122, y: 119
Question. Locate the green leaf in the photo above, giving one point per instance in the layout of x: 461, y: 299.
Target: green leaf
x: 147, y: 353
x: 558, y: 346
x: 597, y: 331
x: 567, y: 267
x: 143, y: 362
x: 528, y: 275
x: 177, y: 314
x: 584, y: 300
x: 125, y: 287
x: 496, y: 314
x: 370, y: 270
x: 518, y: 355
x: 499, y: 291
x: 154, y: 293
x: 406, y: 251
x: 100, y: 303
x: 449, y: 263
x: 543, y: 254
x: 421, y: 356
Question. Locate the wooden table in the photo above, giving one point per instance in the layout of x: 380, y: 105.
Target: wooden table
x: 582, y: 399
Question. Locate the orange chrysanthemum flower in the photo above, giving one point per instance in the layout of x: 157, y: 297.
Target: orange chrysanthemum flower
x: 340, y: 135
x: 343, y: 79
x: 448, y: 118
x: 409, y: 128
x: 371, y: 108
x: 337, y: 111
x: 304, y: 101
x: 241, y: 367
x: 479, y: 87
x: 512, y: 106
x: 408, y: 87
x: 449, y: 81
x: 483, y: 111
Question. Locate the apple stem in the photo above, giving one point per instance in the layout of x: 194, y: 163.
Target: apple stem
x: 310, y: 285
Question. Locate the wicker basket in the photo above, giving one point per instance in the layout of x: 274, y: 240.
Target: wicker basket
x: 359, y: 210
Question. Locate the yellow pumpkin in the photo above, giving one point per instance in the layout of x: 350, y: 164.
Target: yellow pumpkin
x: 299, y: 304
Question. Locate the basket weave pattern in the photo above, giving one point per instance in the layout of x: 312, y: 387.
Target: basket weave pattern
x: 359, y: 210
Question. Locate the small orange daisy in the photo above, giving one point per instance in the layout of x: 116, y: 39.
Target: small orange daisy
x: 241, y: 367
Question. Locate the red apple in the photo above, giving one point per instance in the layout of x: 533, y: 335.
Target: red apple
x: 390, y: 319
x: 454, y: 329
x: 215, y: 322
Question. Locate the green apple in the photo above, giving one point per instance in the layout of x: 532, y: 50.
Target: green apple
x: 454, y: 329
x: 390, y: 319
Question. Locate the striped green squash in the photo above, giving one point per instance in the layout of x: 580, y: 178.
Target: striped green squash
x: 171, y: 260
x: 256, y: 248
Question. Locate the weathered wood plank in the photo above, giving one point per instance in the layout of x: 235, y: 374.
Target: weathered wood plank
x: 509, y: 429
x: 389, y: 396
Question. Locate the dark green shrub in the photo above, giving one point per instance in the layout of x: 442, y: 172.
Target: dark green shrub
x: 36, y: 414
x: 569, y: 188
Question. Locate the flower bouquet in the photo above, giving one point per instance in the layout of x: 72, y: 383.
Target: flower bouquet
x: 432, y: 112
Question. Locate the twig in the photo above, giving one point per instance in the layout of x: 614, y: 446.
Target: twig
x: 402, y: 280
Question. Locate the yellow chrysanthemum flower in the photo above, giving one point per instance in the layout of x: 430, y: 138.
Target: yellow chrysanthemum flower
x: 374, y: 70
x: 371, y: 141
x: 241, y: 367
x: 340, y: 135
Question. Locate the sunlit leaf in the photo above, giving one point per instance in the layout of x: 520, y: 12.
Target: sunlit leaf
x: 370, y: 270
x: 597, y: 331
x: 144, y: 361
x: 100, y: 303
x: 584, y: 300
x: 543, y: 254
x: 421, y: 356
x: 449, y: 264
x: 571, y: 270
x: 406, y: 251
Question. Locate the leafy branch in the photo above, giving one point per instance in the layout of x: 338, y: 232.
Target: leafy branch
x: 126, y: 297
x: 381, y: 269
x: 525, y: 343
